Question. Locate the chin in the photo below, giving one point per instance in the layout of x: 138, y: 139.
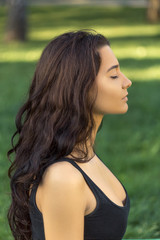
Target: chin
x: 122, y: 110
x: 125, y: 109
x: 119, y: 110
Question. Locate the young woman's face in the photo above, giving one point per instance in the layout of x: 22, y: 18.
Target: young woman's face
x: 112, y: 85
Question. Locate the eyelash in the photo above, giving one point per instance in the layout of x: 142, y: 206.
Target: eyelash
x: 114, y: 77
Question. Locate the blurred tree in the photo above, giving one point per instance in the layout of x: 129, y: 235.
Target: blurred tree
x: 153, y: 11
x: 16, y: 26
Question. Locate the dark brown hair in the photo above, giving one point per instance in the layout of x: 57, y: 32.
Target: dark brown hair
x: 57, y: 116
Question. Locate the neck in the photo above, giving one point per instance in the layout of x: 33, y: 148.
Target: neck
x: 90, y: 142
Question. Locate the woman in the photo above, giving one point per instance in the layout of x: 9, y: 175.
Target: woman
x: 60, y: 188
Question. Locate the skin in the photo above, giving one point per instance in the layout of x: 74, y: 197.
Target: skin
x: 110, y: 91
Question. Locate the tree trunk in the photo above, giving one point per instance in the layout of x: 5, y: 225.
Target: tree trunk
x: 153, y: 11
x: 16, y: 27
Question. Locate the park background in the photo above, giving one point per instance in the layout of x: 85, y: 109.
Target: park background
x: 128, y: 144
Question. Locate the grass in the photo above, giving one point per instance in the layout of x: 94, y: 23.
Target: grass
x: 129, y: 144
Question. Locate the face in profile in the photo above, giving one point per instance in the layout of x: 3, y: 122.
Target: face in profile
x: 112, y: 85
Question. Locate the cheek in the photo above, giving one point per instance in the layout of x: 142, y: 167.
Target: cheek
x: 108, y: 98
x: 108, y: 91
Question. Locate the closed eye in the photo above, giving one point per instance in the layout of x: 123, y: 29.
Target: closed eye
x: 114, y: 77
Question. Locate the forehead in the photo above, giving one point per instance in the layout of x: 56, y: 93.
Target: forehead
x: 107, y: 57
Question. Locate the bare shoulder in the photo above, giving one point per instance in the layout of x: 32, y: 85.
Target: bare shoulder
x: 63, y: 202
x: 62, y: 173
x: 63, y: 178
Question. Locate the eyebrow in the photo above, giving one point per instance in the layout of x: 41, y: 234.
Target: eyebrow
x: 114, y: 66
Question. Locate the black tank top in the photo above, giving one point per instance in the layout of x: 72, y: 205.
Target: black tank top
x: 108, y: 221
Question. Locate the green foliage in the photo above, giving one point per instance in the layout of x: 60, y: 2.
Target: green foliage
x: 129, y: 144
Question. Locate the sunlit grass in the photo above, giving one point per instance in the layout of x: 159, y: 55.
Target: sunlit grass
x: 110, y: 31
x: 126, y: 31
x: 25, y: 56
x: 128, y: 40
x: 137, y: 52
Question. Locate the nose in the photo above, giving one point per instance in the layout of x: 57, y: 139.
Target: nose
x: 126, y: 82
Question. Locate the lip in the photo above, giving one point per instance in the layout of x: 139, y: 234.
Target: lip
x: 125, y: 97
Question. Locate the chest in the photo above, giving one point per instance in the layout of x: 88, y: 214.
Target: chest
x: 98, y: 172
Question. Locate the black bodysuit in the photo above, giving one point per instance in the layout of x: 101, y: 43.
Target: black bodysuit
x: 107, y: 221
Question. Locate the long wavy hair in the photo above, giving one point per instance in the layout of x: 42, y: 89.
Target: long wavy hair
x: 56, y: 117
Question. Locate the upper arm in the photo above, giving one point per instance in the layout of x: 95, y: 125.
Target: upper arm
x: 63, y: 203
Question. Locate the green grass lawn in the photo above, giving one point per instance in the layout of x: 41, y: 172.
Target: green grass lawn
x: 129, y: 144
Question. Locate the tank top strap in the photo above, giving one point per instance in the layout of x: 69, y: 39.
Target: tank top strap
x: 90, y: 183
x: 76, y: 166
